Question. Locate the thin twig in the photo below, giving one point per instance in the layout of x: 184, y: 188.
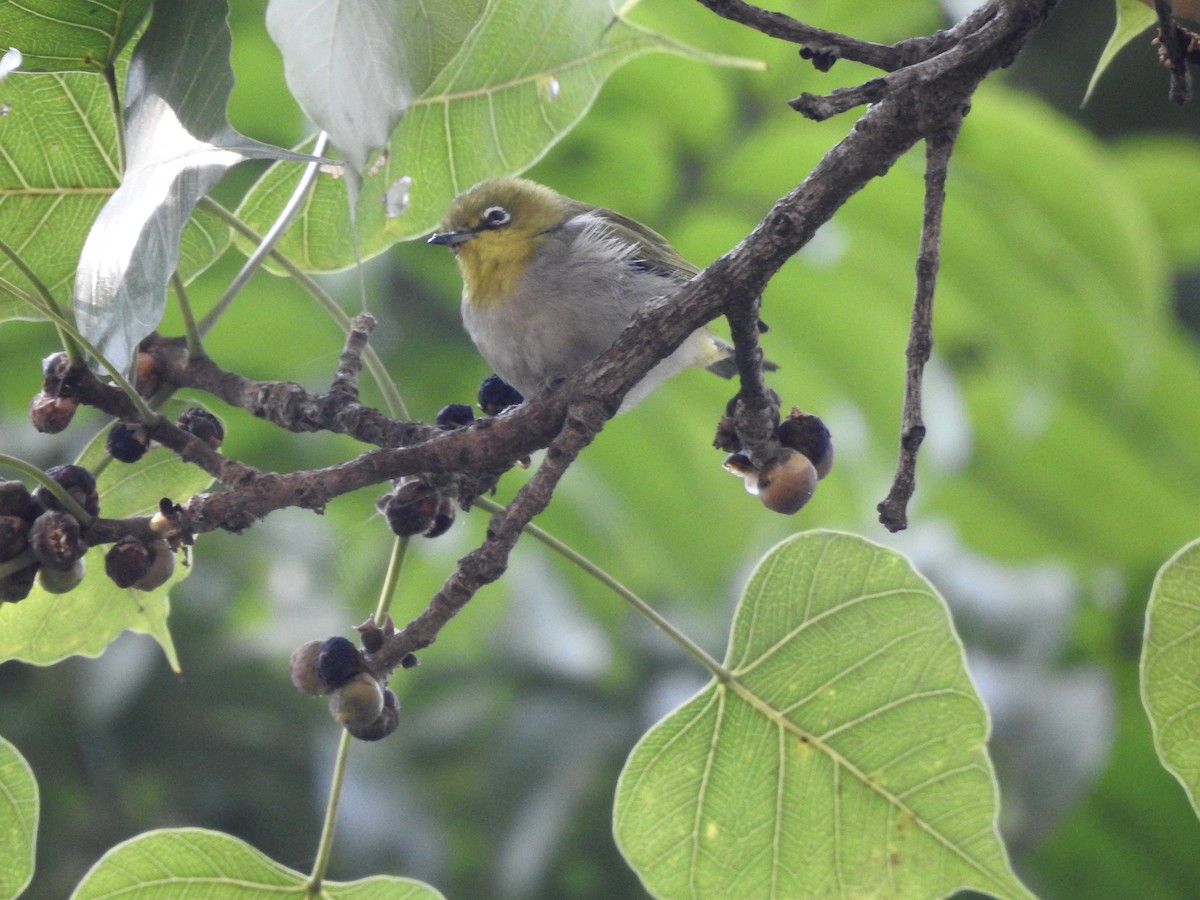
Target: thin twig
x: 350, y: 363
x: 893, y: 510
x: 190, y: 331
x: 818, y: 40
x: 325, y: 846
x: 270, y: 239
x: 114, y: 99
x: 1172, y: 41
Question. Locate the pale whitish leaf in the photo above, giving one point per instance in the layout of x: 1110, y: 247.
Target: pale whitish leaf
x: 178, y: 145
x: 18, y: 821
x: 348, y: 65
x: 1170, y: 674
x: 503, y: 84
x: 66, y: 35
x: 844, y: 756
x: 1132, y: 19
x: 194, y: 864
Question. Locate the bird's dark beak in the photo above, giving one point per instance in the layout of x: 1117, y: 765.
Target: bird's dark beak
x: 451, y: 239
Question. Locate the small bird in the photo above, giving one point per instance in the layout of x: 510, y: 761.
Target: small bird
x: 550, y: 282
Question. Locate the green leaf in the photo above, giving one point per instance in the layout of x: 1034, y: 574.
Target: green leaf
x: 1170, y: 690
x: 844, y: 755
x: 45, y: 628
x: 489, y: 111
x: 1162, y: 168
x: 186, y: 863
x: 18, y: 821
x: 58, y: 168
x: 1132, y: 19
x: 66, y: 35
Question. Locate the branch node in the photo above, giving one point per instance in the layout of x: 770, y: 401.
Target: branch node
x: 350, y: 363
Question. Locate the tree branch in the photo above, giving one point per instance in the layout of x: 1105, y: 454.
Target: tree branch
x: 928, y: 91
x: 929, y: 105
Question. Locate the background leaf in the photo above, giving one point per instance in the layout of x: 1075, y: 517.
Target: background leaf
x: 178, y: 145
x: 1170, y: 675
x: 488, y: 111
x: 191, y: 863
x: 845, y: 757
x: 18, y: 821
x: 65, y: 35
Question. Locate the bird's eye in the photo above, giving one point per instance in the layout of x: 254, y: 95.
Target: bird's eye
x: 496, y: 216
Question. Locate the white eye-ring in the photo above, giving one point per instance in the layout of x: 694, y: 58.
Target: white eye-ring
x: 496, y: 216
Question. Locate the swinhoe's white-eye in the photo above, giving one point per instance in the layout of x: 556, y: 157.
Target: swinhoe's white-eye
x: 550, y: 282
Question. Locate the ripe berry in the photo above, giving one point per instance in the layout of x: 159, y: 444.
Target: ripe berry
x: 726, y: 437
x: 16, y: 586
x: 56, y: 540
x: 808, y: 434
x: 144, y: 566
x: 15, y: 500
x: 77, y: 481
x: 358, y: 702
x: 383, y: 725
x: 497, y: 395
x: 127, y: 442
x: 338, y: 661
x: 202, y: 424
x: 454, y: 416
x: 413, y: 509
x: 303, y: 665
x: 50, y: 413
x: 14, y: 536
x: 442, y: 519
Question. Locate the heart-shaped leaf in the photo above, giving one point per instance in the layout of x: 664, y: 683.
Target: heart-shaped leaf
x: 497, y: 90
x: 194, y: 864
x: 179, y: 144
x: 1170, y: 675
x: 842, y: 755
x: 18, y: 821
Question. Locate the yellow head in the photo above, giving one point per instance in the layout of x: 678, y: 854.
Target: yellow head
x: 494, y: 230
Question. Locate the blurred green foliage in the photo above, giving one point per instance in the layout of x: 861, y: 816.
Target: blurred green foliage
x: 1063, y: 405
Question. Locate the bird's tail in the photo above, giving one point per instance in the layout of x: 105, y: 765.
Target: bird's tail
x: 724, y: 365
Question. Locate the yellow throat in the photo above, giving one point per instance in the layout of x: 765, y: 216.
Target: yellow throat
x: 493, y: 264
